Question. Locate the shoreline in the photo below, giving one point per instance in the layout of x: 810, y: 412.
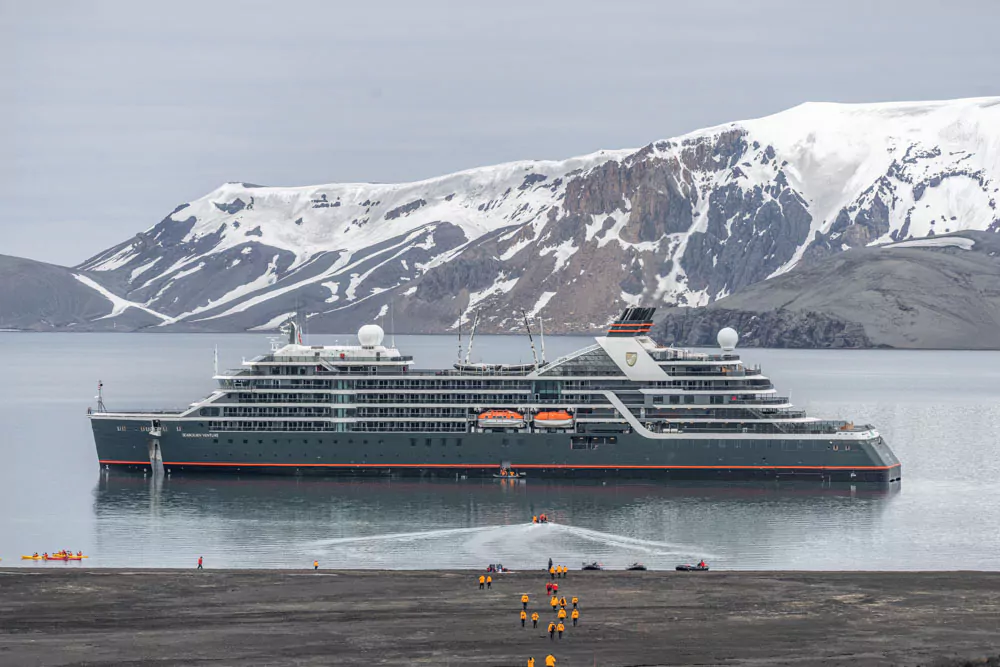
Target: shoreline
x: 366, y: 617
x: 601, y: 332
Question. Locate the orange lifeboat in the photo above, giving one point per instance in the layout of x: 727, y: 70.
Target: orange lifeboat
x: 554, y: 419
x: 501, y: 418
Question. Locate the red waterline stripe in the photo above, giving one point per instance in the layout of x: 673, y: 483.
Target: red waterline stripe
x: 493, y: 465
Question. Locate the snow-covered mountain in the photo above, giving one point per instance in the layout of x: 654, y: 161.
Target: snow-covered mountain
x: 683, y: 221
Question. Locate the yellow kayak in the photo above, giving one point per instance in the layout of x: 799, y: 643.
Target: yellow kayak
x: 31, y: 558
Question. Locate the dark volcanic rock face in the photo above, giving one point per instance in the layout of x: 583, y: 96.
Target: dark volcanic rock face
x: 939, y: 294
x: 778, y: 328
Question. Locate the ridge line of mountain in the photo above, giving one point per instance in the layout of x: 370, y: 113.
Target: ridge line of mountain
x: 684, y: 222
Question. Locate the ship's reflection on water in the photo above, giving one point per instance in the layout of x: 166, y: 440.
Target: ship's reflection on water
x: 412, y: 523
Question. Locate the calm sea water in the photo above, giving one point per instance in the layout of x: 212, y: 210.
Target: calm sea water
x: 939, y: 410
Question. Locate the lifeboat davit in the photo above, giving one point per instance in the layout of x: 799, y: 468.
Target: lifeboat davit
x: 501, y: 418
x: 554, y: 419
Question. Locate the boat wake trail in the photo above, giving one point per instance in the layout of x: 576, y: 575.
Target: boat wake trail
x: 517, y: 546
x: 402, y: 537
x: 629, y: 543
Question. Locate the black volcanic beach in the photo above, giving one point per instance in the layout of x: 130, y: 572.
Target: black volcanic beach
x: 219, y: 617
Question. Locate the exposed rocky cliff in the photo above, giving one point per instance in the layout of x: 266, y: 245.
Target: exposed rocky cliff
x: 940, y: 292
x: 684, y: 222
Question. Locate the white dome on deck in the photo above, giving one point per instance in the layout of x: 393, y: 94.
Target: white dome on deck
x: 727, y: 339
x: 370, y: 335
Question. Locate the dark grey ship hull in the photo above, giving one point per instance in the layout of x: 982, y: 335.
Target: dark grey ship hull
x: 186, y: 446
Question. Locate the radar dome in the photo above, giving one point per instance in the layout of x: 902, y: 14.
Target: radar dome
x: 370, y: 335
x: 727, y: 339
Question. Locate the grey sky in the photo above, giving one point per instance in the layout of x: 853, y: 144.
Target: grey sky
x: 112, y: 113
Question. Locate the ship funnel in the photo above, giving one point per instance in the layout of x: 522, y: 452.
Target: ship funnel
x: 632, y: 322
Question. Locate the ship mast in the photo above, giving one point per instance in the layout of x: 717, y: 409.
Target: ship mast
x: 472, y: 337
x: 534, y: 356
x: 461, y: 315
x: 541, y: 333
x: 100, y: 397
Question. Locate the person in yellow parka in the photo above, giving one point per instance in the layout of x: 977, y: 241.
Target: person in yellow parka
x: 576, y: 616
x: 315, y: 564
x: 534, y: 619
x: 575, y: 600
x: 489, y: 582
x: 482, y: 582
x: 562, y: 615
x: 560, y: 629
x: 524, y: 601
x: 552, y: 630
x: 524, y: 617
x: 552, y: 573
x: 531, y: 662
x: 550, y: 660
x: 562, y: 602
x: 554, y: 602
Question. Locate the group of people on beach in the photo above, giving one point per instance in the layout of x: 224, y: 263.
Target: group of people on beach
x: 565, y: 610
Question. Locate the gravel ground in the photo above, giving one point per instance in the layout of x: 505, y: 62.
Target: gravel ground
x: 227, y: 617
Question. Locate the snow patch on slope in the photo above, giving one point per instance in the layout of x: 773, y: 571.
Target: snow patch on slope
x: 274, y: 322
x: 938, y: 242
x: 266, y: 279
x: 118, y: 304
x: 543, y: 301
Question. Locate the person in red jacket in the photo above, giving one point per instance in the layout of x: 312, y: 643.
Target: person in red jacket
x: 200, y: 561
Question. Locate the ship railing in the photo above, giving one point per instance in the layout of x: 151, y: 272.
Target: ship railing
x: 679, y: 372
x: 348, y: 358
x: 752, y: 426
x: 418, y: 399
x: 763, y: 400
x: 139, y: 411
x: 406, y: 429
x: 677, y: 354
x: 674, y: 413
x: 332, y: 428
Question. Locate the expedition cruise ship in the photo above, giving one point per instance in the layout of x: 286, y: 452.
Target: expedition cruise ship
x: 622, y: 407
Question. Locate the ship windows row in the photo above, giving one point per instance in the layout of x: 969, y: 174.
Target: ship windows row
x: 410, y: 427
x: 449, y: 383
x: 486, y: 399
x: 277, y: 397
x: 275, y: 426
x: 703, y: 385
x: 283, y: 384
x: 412, y: 412
x: 711, y: 399
x: 255, y: 411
